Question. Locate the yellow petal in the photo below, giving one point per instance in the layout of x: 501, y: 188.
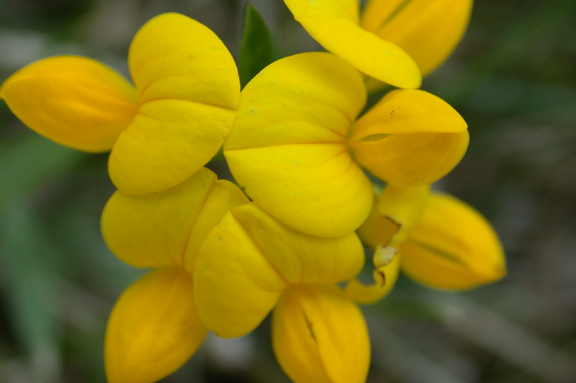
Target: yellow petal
x: 387, y: 268
x: 153, y: 329
x: 331, y: 193
x: 250, y: 258
x: 320, y: 336
x: 74, y: 101
x: 410, y: 138
x: 452, y: 247
x: 174, y: 56
x: 377, y: 13
x: 412, y: 160
x: 318, y: 90
x: 338, y: 9
x: 287, y: 147
x: 167, y: 228
x: 427, y: 30
x: 334, y: 24
x: 406, y: 112
x: 188, y: 91
x: 236, y: 287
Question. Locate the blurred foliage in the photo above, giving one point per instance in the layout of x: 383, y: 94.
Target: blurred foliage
x: 513, y: 79
x: 257, y: 49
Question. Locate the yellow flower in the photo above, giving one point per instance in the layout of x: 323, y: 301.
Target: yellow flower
x: 297, y: 151
x: 335, y: 24
x: 160, y: 132
x: 251, y: 263
x: 438, y: 240
x: 154, y: 327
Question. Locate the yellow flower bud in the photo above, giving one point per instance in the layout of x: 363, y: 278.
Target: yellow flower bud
x: 452, y: 247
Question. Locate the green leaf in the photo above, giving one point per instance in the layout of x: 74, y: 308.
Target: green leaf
x: 257, y: 48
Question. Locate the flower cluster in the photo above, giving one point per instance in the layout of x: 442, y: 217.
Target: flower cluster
x: 299, y: 145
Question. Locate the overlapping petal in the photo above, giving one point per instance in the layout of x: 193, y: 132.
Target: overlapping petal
x: 74, y: 101
x: 428, y: 30
x: 250, y: 258
x: 394, y: 214
x: 377, y: 229
x: 452, y: 247
x: 188, y: 91
x: 404, y: 206
x: 334, y: 24
x: 320, y: 336
x: 153, y: 329
x: 288, y: 145
x: 166, y: 229
x: 410, y: 138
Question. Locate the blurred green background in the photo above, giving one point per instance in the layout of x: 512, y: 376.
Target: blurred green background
x: 513, y: 78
